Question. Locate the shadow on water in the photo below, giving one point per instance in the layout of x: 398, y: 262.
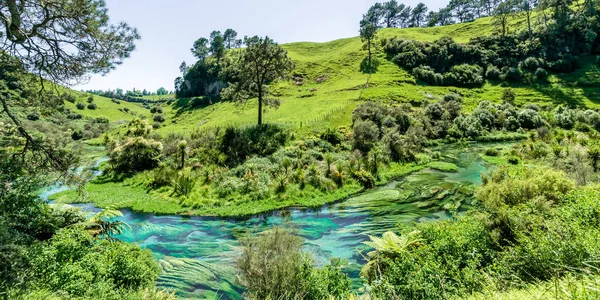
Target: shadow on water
x: 198, y: 254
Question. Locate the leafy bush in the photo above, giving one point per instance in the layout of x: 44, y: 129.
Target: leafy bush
x: 77, y: 135
x: 274, y: 267
x: 239, y: 143
x: 135, y: 155
x: 492, y: 73
x: 529, y: 118
x: 159, y: 118
x: 33, y: 117
x: 156, y: 109
x: 541, y: 74
x: 366, y: 134
x: 92, y: 106
x: 75, y: 264
x: 90, y: 99
x: 428, y: 75
x: 512, y: 74
x: 365, y: 178
x: 102, y: 120
x: 332, y: 136
x: 532, y: 64
x: 80, y: 106
x: 464, y: 75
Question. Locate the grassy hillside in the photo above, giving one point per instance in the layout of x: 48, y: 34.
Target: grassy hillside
x: 327, y: 83
x: 106, y: 108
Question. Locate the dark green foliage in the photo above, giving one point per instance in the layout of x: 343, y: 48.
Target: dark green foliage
x: 492, y: 73
x: 33, y: 117
x: 332, y: 136
x: 512, y: 74
x: 102, y: 120
x: 240, y: 143
x: 80, y: 106
x: 92, y: 106
x: 74, y: 263
x: 135, y: 155
x: 366, y: 134
x: 159, y: 118
x: 156, y: 109
x: 90, y: 99
x: 77, y: 135
x: 541, y: 74
x: 365, y: 178
x: 274, y: 267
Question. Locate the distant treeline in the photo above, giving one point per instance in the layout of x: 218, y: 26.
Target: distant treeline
x: 130, y: 96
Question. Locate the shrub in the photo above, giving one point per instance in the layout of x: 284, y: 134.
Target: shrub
x: 529, y: 118
x: 33, y: 117
x: 273, y: 266
x: 428, y: 75
x: 491, y: 152
x: 156, y: 125
x: 366, y: 134
x: 80, y: 106
x: 492, y: 73
x: 365, y: 178
x: 77, y: 135
x: 137, y: 154
x: 92, y: 106
x: 159, y: 118
x: 541, y: 74
x: 90, y: 99
x: 156, y: 109
x: 532, y: 64
x: 183, y: 183
x: 102, y: 120
x: 464, y: 75
x: 239, y: 143
x: 332, y: 136
x: 69, y: 97
x: 508, y: 96
x: 512, y: 74
x: 74, y: 116
x: 513, y: 160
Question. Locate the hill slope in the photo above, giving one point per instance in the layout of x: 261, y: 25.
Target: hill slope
x: 327, y: 83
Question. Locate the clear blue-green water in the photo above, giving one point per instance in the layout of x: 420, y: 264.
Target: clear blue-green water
x: 198, y: 254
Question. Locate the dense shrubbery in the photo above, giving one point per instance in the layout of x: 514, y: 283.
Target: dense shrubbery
x: 274, y: 267
x: 240, y: 143
x: 136, y: 154
x: 531, y: 226
x: 506, y: 57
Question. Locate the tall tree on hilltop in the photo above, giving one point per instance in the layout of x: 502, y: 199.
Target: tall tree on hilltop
x: 502, y: 15
x: 200, y: 49
x: 418, y: 14
x: 391, y: 12
x: 404, y: 17
x: 263, y: 61
x: 368, y: 34
x: 217, y: 46
x: 375, y: 14
x: 230, y: 38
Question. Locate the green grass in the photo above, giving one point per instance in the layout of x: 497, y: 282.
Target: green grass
x: 159, y: 97
x: 443, y: 166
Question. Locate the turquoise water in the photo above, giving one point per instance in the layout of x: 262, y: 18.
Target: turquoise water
x: 198, y: 254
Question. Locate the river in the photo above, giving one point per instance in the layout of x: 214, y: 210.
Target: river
x: 198, y: 254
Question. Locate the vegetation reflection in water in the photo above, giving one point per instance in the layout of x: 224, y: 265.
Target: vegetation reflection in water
x: 197, y: 254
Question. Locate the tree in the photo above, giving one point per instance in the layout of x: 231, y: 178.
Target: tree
x: 217, y: 46
x: 368, y: 34
x: 375, y: 14
x: 183, y: 68
x: 230, y: 38
x: 502, y: 15
x: 391, y: 12
x: 404, y: 17
x: 161, y: 91
x: 527, y: 6
x: 200, y: 49
x: 262, y: 62
x: 462, y: 9
x: 418, y: 14
x: 64, y: 40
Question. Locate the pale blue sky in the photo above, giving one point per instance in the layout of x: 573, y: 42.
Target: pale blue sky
x: 169, y: 28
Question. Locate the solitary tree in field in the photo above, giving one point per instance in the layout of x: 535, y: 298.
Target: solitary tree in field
x: 62, y: 41
x: 263, y: 61
x: 368, y: 34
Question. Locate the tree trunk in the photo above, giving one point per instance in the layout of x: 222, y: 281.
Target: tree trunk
x: 529, y: 25
x: 369, y: 46
x: 182, y: 158
x: 260, y: 100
